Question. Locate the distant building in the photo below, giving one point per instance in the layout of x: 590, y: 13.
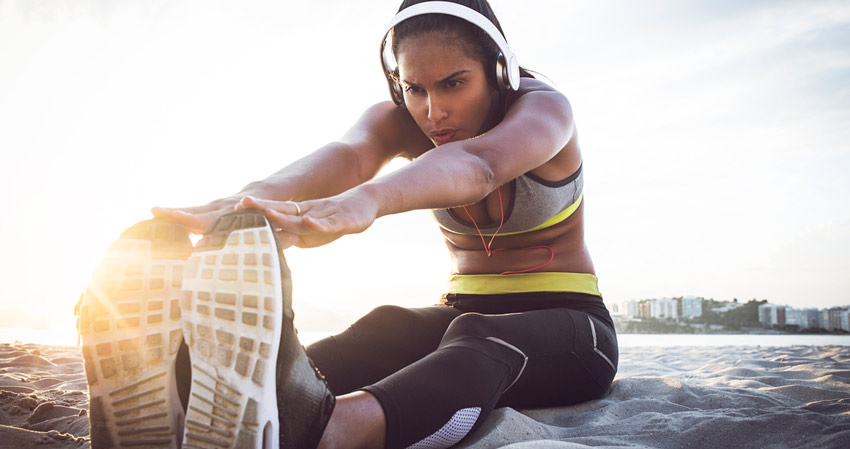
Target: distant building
x: 691, y: 307
x: 794, y: 317
x: 727, y: 306
x: 838, y: 318
x: 812, y: 317
x: 645, y: 308
x: 664, y: 308
x: 823, y: 319
x: 804, y: 318
x: 629, y: 308
x: 771, y: 315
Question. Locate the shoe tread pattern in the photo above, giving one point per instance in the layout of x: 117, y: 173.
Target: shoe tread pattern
x: 131, y: 330
x: 232, y: 315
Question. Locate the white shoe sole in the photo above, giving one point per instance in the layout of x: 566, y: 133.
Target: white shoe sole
x: 131, y: 331
x: 232, y: 322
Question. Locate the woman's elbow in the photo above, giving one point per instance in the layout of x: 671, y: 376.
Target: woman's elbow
x: 484, y: 176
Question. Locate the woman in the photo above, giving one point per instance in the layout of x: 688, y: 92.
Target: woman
x: 497, y: 159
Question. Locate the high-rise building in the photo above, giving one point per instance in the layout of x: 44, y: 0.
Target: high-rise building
x: 823, y: 319
x: 812, y: 317
x: 645, y: 308
x: 771, y: 315
x: 629, y: 308
x: 664, y: 308
x: 803, y: 318
x: 691, y: 307
x: 838, y: 319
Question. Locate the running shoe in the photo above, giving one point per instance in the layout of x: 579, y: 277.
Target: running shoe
x: 131, y: 331
x: 246, y: 359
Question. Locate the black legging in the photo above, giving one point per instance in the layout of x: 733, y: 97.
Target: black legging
x: 439, y: 371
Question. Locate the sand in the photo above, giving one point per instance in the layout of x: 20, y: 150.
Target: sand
x: 43, y: 397
x: 663, y: 397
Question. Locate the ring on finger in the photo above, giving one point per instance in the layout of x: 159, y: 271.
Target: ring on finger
x: 297, y: 207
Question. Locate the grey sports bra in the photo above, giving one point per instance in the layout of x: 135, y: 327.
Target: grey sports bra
x: 536, y: 204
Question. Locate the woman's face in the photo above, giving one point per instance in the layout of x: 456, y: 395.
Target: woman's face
x: 445, y: 90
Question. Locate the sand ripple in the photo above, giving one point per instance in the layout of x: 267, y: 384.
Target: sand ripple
x: 705, y: 397
x: 663, y: 397
x: 43, y: 399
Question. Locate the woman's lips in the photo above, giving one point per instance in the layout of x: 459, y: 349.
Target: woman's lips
x: 442, y: 137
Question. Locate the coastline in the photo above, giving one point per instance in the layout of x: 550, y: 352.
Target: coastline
x: 698, y: 341
x: 655, y: 326
x: 766, y: 338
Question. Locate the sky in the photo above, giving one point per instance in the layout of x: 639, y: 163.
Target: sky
x: 714, y: 136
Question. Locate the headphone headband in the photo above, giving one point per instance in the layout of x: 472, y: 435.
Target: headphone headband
x: 468, y: 14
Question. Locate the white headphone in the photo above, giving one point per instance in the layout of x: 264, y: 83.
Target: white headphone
x: 507, y: 67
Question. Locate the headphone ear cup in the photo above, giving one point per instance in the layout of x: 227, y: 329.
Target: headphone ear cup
x: 502, y: 80
x: 396, y: 91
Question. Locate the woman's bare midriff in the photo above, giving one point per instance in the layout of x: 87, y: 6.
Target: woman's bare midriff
x: 566, y: 239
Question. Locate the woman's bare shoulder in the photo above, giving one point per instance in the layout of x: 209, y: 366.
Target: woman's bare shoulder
x: 535, y: 85
x: 546, y: 99
x: 389, y: 127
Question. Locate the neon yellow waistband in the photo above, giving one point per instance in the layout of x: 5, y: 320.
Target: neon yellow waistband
x: 494, y: 284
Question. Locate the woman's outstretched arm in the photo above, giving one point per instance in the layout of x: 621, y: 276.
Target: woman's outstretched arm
x: 336, y: 167
x: 535, y: 129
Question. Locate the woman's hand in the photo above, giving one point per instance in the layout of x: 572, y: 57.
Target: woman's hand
x: 316, y: 222
x: 197, y: 218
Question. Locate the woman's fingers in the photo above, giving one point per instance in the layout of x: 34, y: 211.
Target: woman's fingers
x: 319, y: 224
x: 196, y: 218
x: 196, y: 223
x: 303, y: 232
x: 286, y: 207
x: 287, y: 239
x: 167, y: 211
x: 311, y: 223
x: 161, y: 212
x: 302, y: 224
x: 282, y: 221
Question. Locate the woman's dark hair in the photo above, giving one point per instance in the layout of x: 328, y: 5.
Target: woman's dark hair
x: 479, y: 45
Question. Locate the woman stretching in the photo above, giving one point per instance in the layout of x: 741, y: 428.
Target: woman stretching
x: 494, y: 154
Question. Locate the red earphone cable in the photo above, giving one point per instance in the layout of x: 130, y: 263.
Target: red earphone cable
x: 501, y: 222
x: 551, y: 258
x: 487, y: 245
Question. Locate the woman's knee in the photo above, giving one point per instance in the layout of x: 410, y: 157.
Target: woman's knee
x: 470, y: 325
x: 384, y: 316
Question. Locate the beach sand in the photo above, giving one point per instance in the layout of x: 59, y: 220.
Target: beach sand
x: 663, y: 397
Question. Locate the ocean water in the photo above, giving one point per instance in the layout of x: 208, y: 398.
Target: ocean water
x: 55, y: 337
x: 69, y: 338
x: 626, y: 340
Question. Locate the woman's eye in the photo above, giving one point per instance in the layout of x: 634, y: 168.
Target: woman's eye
x: 453, y: 83
x: 412, y: 89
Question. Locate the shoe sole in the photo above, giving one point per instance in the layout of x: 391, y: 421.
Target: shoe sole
x: 131, y: 331
x: 232, y: 322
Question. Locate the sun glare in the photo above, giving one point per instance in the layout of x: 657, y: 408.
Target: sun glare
x: 713, y: 139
